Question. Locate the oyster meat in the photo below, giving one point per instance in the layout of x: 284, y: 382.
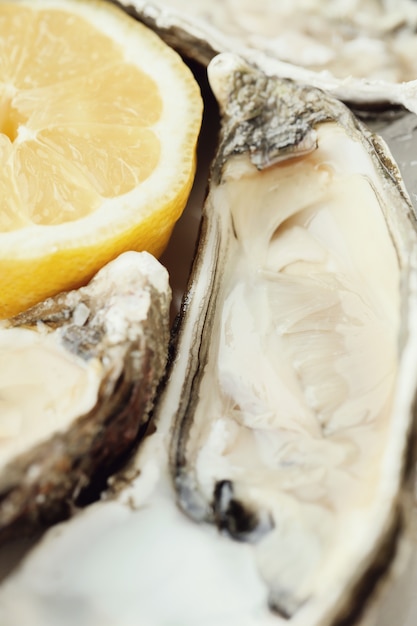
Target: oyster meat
x: 364, y: 52
x: 295, y: 416
x: 78, y: 375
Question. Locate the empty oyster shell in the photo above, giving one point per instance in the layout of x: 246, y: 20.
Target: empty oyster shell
x: 363, y: 52
x: 78, y: 374
x: 294, y: 414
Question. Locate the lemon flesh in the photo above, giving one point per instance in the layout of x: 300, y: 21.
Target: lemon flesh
x: 99, y: 121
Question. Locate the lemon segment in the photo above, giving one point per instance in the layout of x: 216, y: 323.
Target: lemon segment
x: 99, y: 121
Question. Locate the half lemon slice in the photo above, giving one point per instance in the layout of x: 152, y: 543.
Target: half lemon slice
x: 99, y: 121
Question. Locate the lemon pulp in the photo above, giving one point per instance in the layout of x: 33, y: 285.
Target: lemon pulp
x: 98, y: 126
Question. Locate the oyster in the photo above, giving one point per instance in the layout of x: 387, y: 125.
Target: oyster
x: 362, y: 52
x: 361, y: 38
x: 78, y: 374
x: 295, y: 411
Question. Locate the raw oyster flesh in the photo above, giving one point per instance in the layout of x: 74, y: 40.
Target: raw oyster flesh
x: 293, y: 414
x: 78, y: 374
x: 363, y: 51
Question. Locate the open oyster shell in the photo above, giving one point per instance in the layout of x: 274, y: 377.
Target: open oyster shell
x: 78, y: 375
x: 294, y: 417
x: 363, y: 52
x: 361, y: 38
